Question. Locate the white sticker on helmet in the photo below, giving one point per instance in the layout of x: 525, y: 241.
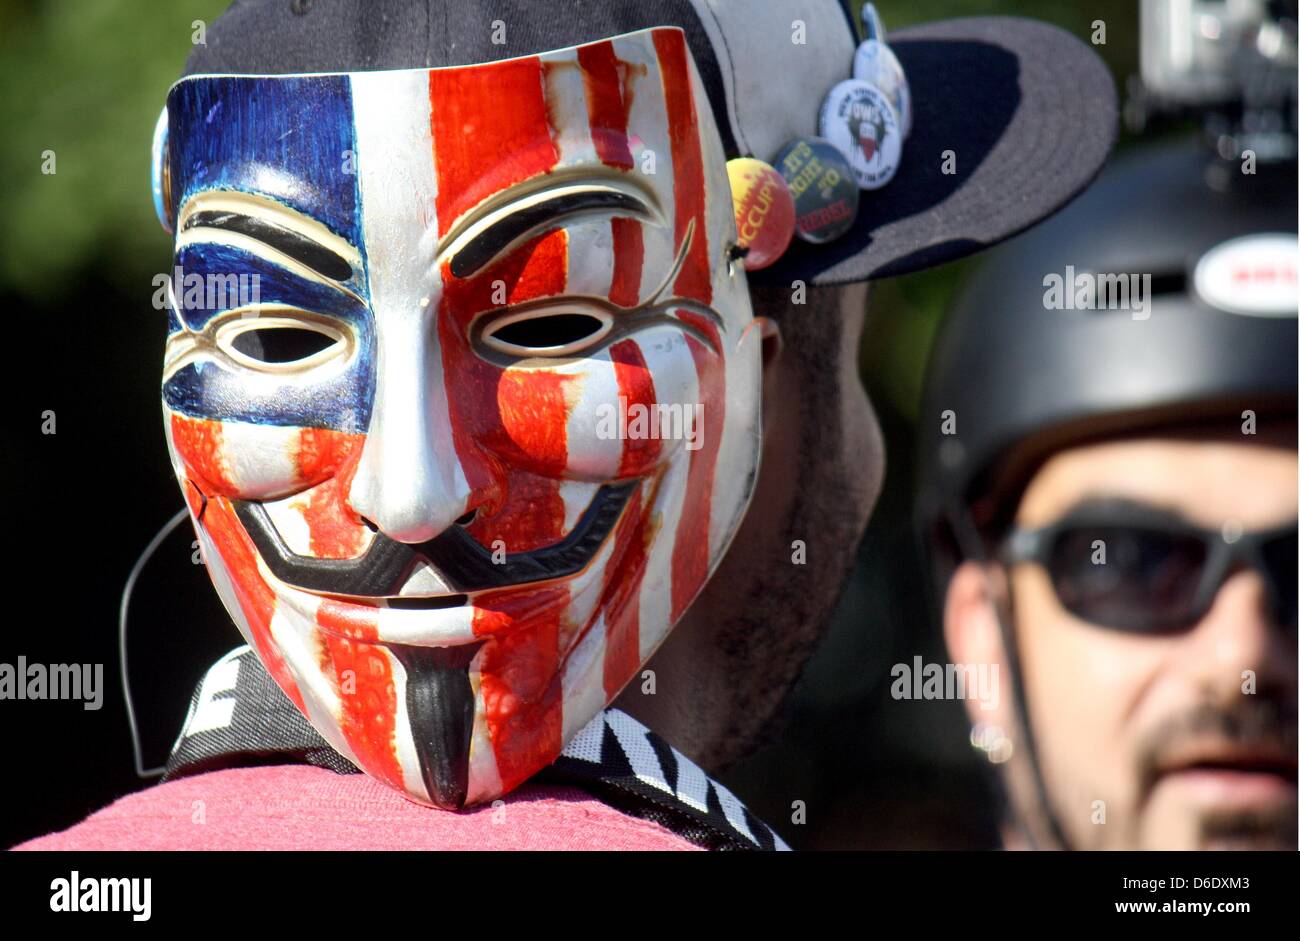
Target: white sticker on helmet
x: 1253, y: 275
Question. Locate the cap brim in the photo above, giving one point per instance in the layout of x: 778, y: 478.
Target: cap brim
x: 1029, y: 114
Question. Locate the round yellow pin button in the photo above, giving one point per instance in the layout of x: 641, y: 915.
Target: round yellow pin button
x: 764, y: 210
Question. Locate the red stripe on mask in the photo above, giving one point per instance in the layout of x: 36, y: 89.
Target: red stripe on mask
x: 363, y: 678
x: 490, y: 130
x: 482, y: 146
x: 519, y: 679
x: 691, y: 547
x: 327, y: 456
x: 322, y: 451
x: 255, y: 598
x: 636, y: 390
x: 622, y: 597
x: 622, y: 592
x: 605, y: 80
x: 688, y: 164
x: 629, y: 257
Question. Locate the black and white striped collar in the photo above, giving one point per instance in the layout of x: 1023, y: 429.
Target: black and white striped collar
x: 238, y: 716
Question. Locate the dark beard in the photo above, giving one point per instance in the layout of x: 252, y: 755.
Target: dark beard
x: 1273, y: 829
x: 774, y: 612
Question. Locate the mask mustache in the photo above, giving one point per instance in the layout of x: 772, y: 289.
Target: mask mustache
x: 460, y: 561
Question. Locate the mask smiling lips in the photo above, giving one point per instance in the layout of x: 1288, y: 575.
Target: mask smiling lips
x: 490, y: 419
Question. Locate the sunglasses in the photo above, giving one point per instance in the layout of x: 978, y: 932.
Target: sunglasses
x: 1140, y: 569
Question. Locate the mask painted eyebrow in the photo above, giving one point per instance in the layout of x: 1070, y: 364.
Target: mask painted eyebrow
x: 527, y: 210
x: 298, y: 247
x: 244, y: 218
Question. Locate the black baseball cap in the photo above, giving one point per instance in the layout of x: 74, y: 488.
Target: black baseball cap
x: 1021, y: 114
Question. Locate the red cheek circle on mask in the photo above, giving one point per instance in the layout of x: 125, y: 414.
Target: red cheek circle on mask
x: 529, y: 426
x: 534, y: 419
x: 311, y: 455
x: 530, y: 516
x: 198, y: 442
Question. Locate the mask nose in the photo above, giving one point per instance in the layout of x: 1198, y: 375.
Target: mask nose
x: 409, y: 481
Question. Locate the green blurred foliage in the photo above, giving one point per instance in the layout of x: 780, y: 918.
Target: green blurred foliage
x: 86, y: 80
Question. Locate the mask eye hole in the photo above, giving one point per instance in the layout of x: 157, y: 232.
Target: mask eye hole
x: 281, y: 344
x: 547, y: 333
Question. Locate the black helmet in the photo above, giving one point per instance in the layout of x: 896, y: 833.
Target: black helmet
x: 1022, y: 380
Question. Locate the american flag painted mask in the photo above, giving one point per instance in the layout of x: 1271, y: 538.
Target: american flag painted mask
x: 461, y: 387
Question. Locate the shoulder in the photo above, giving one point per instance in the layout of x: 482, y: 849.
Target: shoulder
x: 292, y: 807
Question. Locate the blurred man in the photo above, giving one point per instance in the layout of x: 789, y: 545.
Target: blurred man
x: 1110, y: 433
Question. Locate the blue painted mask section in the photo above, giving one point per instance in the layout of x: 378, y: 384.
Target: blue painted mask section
x: 287, y: 138
x: 336, y: 396
x: 209, y: 390
x: 209, y: 286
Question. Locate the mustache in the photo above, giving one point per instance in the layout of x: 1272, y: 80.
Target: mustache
x: 1261, y: 722
x: 461, y: 562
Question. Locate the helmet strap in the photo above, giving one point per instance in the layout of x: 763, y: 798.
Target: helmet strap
x: 971, y: 546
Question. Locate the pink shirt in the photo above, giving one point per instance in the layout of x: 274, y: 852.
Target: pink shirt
x: 300, y: 807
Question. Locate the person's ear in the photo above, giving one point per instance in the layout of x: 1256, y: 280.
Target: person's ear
x: 772, y: 342
x: 971, y: 631
x: 771, y: 351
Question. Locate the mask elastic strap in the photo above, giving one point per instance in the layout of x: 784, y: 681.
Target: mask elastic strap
x: 149, y: 550
x: 972, y: 547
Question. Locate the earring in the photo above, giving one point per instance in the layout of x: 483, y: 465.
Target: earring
x: 992, y: 741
